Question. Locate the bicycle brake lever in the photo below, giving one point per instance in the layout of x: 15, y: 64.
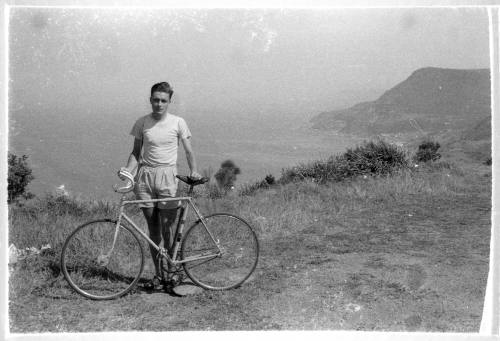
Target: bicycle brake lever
x: 127, y: 188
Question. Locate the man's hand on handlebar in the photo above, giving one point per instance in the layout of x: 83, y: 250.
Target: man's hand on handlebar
x: 195, y: 175
x: 125, y: 175
x: 121, y: 173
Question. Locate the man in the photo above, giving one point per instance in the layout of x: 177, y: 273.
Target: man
x: 157, y: 135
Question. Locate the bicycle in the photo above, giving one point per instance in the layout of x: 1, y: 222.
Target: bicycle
x: 104, y: 259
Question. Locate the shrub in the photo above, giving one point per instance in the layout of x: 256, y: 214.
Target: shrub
x: 19, y: 177
x: 317, y: 170
x: 371, y: 158
x: 226, y: 175
x: 427, y: 151
x: 268, y: 181
x: 378, y: 158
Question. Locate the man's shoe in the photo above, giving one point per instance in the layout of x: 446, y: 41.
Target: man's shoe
x: 177, y: 278
x: 153, y: 284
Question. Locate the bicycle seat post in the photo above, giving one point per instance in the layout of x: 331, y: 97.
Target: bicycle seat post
x: 190, y: 191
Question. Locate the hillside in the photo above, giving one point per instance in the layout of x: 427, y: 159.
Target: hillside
x: 473, y: 142
x: 436, y: 100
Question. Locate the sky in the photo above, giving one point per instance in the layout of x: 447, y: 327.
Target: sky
x: 241, y: 61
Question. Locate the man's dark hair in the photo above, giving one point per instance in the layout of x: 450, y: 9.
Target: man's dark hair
x: 162, y: 87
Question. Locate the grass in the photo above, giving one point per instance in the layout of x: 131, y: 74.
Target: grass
x: 403, y: 251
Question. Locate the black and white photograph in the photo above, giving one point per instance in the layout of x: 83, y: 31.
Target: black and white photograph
x: 249, y: 169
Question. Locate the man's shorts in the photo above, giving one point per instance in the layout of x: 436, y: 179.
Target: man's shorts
x: 157, y: 183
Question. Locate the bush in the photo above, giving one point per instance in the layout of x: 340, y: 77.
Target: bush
x: 18, y: 178
x: 316, y: 170
x: 378, y: 158
x: 427, y: 151
x: 371, y: 158
x: 226, y: 175
x: 268, y: 181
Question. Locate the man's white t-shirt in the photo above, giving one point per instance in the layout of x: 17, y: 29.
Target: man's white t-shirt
x: 160, y: 139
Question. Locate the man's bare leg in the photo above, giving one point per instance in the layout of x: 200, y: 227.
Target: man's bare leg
x: 152, y: 215
x: 167, y: 219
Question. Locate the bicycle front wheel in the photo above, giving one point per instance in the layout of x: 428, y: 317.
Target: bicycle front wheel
x: 101, y: 262
x: 224, y: 261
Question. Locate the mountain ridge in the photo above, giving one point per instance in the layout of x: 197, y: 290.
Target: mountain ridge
x: 433, y: 99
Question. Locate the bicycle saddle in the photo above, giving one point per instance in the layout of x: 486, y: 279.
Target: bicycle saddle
x: 190, y: 181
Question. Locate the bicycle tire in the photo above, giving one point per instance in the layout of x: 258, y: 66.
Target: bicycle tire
x: 80, y: 257
x: 237, y: 262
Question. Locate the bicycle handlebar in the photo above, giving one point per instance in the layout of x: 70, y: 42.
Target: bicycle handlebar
x: 129, y: 185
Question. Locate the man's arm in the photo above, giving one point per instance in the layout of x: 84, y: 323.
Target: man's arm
x: 133, y: 159
x: 188, y: 149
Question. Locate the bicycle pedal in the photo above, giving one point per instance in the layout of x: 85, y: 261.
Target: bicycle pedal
x: 176, y: 279
x: 155, y: 283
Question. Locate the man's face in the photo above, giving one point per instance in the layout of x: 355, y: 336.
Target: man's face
x: 159, y: 102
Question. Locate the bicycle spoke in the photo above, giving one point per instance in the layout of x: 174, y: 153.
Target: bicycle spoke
x: 228, y: 269
x: 87, y: 245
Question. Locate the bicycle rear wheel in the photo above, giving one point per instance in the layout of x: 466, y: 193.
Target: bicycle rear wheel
x: 220, y: 270
x: 96, y: 268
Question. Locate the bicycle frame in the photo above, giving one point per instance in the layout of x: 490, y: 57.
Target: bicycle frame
x: 185, y: 203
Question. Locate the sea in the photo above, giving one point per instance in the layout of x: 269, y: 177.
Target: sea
x: 79, y: 151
